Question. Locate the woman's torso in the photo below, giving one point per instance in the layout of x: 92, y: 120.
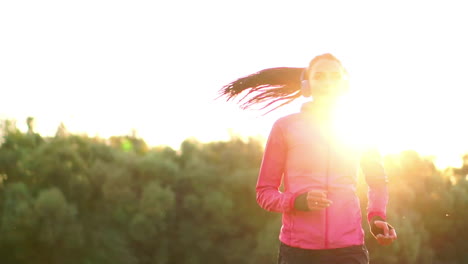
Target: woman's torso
x: 317, y: 159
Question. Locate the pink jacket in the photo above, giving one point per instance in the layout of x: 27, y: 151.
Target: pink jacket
x: 300, y: 153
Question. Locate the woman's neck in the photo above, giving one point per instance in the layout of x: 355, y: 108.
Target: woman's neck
x: 321, y: 110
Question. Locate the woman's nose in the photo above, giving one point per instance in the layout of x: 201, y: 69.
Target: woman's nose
x: 327, y: 85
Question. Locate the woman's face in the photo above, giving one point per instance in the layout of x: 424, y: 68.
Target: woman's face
x: 326, y: 78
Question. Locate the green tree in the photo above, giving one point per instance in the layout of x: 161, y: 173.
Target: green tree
x: 59, y: 231
x: 17, y: 223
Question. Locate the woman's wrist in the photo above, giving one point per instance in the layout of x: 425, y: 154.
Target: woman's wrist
x: 373, y: 228
x: 376, y: 230
x: 300, y: 203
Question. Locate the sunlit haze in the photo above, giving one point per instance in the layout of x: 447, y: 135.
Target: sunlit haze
x: 107, y: 67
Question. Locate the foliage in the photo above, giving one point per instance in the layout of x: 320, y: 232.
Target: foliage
x: 75, y: 199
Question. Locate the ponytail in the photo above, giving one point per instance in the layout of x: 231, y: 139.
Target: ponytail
x: 272, y: 87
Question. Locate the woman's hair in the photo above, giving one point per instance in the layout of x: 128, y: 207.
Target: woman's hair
x: 273, y: 87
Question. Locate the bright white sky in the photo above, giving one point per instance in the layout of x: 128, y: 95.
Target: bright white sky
x: 105, y: 67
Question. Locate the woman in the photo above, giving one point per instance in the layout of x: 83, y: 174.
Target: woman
x: 321, y: 215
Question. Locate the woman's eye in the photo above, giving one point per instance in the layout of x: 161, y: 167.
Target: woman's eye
x: 333, y: 76
x: 319, y: 76
x: 336, y: 76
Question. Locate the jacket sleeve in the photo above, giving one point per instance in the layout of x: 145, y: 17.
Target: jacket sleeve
x: 376, y: 179
x: 271, y: 172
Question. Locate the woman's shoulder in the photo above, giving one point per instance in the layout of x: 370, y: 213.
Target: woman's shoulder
x: 288, y: 119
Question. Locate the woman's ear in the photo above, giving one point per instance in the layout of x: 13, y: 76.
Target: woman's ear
x: 306, y: 90
x: 345, y: 81
x: 346, y: 85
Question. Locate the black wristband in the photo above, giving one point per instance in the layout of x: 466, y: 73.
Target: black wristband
x: 300, y: 203
x: 373, y: 228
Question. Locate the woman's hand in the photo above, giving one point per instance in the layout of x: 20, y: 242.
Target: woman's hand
x: 387, y: 234
x: 317, y: 200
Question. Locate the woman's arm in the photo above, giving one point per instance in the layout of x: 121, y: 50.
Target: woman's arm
x: 271, y: 172
x: 376, y: 179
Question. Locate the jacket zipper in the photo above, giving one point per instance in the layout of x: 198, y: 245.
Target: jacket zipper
x: 326, y: 188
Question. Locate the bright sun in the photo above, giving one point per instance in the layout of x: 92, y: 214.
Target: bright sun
x: 394, y: 126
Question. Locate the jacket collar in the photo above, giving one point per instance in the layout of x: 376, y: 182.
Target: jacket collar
x: 308, y: 107
x: 315, y: 112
